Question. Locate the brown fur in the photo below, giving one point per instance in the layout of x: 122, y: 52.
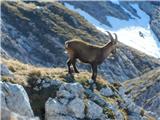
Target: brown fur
x: 87, y: 53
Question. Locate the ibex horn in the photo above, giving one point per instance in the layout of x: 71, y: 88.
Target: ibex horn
x: 115, y: 36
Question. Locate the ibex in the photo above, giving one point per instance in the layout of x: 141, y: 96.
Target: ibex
x: 87, y: 53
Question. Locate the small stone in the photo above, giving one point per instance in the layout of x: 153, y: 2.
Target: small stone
x: 63, y: 101
x: 64, y: 94
x: 76, y: 89
x: 90, y: 81
x: 106, y: 92
x: 5, y: 70
x: 36, y: 88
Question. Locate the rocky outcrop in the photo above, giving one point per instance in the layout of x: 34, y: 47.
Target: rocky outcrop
x: 68, y: 104
x: 49, y: 25
x: 15, y: 102
x: 5, y: 71
x: 145, y: 90
x: 94, y: 111
x: 53, y: 97
x: 71, y: 104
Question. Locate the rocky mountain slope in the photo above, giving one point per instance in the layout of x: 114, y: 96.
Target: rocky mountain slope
x: 116, y: 9
x: 53, y: 94
x: 145, y: 90
x: 35, y: 32
x: 135, y: 31
x: 153, y: 12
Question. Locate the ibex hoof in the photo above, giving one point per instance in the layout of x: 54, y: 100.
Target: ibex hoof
x: 76, y: 71
x: 93, y: 86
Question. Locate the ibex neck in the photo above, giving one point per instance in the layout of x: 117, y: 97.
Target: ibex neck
x: 107, y: 49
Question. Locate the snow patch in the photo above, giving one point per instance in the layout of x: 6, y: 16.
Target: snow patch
x: 135, y: 33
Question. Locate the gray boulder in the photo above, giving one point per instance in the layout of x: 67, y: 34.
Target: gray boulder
x: 6, y: 114
x: 15, y: 98
x: 76, y: 89
x: 54, y: 107
x: 68, y: 104
x: 94, y: 111
x: 76, y: 107
x: 58, y: 111
x: 106, y: 92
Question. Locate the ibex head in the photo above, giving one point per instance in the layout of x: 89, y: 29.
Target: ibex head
x: 113, y: 40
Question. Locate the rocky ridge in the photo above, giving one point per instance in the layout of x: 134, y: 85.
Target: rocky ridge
x: 66, y: 97
x: 35, y: 32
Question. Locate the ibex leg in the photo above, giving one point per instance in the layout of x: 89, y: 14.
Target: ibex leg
x: 94, y: 72
x: 69, y: 66
x: 74, y: 66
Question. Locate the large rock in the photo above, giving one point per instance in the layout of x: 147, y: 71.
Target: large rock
x: 75, y: 89
x: 68, y: 105
x: 15, y: 98
x: 94, y: 111
x: 53, y: 108
x: 76, y: 107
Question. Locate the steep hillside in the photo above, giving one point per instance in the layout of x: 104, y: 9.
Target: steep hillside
x: 145, y: 90
x: 55, y: 95
x: 35, y: 32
